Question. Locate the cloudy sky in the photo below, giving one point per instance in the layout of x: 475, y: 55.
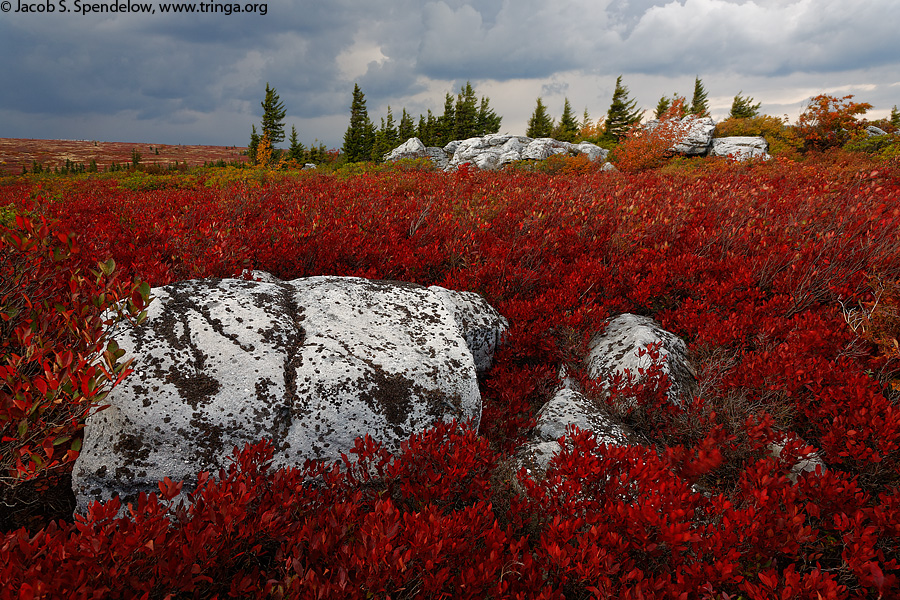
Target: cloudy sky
x: 199, y: 78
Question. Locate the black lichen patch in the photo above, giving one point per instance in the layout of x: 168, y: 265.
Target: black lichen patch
x: 208, y: 440
x: 132, y: 448
x: 195, y: 388
x: 389, y: 394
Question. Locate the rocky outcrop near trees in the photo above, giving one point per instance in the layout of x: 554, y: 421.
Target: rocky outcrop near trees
x: 494, y: 151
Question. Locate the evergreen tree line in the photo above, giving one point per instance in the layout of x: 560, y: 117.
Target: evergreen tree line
x: 464, y: 116
x: 272, y: 127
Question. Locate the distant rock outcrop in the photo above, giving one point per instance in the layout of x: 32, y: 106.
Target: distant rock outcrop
x: 493, y: 151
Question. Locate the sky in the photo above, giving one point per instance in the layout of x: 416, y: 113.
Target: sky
x: 129, y: 76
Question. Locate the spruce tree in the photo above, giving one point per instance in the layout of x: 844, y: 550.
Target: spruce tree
x: 567, y: 128
x: 360, y: 135
x: 466, y: 115
x: 895, y: 117
x: 666, y: 102
x: 297, y: 151
x: 743, y: 108
x: 385, y: 137
x: 446, y: 123
x: 273, y: 116
x: 622, y: 113
x: 662, y: 106
x: 426, y: 130
x: 254, y: 144
x: 699, y: 104
x: 407, y: 129
x: 540, y: 124
x: 488, y: 120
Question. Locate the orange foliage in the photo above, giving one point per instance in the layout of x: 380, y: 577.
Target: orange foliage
x: 647, y: 147
x: 828, y: 121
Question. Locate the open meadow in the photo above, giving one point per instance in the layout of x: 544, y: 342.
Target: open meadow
x: 783, y: 278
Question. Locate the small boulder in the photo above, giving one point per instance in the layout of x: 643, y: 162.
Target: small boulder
x: 617, y: 350
x: 741, y: 147
x: 411, y: 148
x: 569, y: 408
x: 698, y: 137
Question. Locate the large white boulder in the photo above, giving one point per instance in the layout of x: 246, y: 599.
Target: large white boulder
x: 311, y: 364
x: 741, y: 147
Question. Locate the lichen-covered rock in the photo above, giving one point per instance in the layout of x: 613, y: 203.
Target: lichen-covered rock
x: 741, y: 147
x: 479, y: 323
x: 569, y: 408
x: 618, y: 349
x: 411, y: 148
x: 698, y: 137
x: 493, y: 151
x: 311, y: 364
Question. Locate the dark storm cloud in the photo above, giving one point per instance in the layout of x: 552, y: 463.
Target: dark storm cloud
x: 165, y: 70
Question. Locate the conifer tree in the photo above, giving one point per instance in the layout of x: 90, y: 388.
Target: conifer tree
x: 297, y: 151
x: 488, y: 120
x: 273, y: 116
x: 385, y: 137
x: 360, y: 135
x: 667, y: 102
x: 407, y: 129
x: 540, y: 124
x: 662, y: 106
x: 895, y: 117
x: 466, y: 116
x: 622, y: 113
x: 699, y: 104
x: 567, y: 128
x: 446, y: 123
x: 743, y: 108
x: 254, y: 144
x: 427, y: 130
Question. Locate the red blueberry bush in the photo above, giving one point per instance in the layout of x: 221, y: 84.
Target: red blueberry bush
x: 780, y: 277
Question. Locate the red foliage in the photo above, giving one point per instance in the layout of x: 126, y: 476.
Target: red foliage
x: 58, y: 358
x: 750, y: 265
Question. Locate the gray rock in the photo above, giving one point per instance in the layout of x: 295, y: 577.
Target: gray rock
x: 569, y: 408
x: 411, y: 148
x: 609, y: 168
x: 698, y: 137
x: 311, y: 364
x: 481, y: 326
x: 873, y: 131
x: 543, y: 148
x: 594, y: 152
x: 617, y: 349
x: 495, y: 150
x: 437, y: 156
x: 806, y: 464
x: 741, y: 147
x: 450, y: 148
